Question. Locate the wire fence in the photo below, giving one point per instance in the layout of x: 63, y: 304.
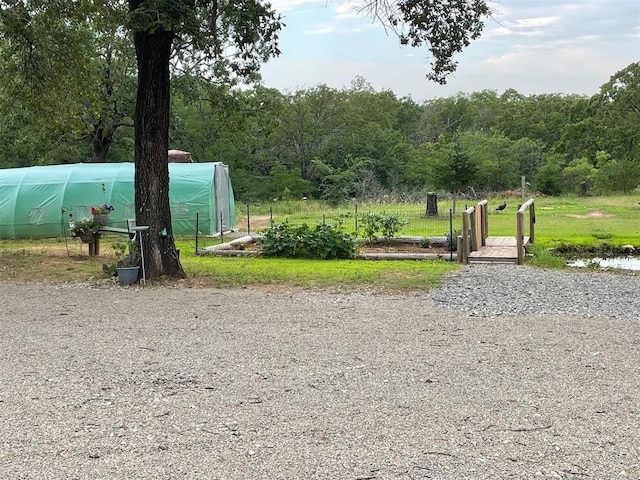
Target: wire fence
x: 253, y: 219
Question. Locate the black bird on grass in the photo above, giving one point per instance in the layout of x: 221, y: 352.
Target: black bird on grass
x: 499, y: 208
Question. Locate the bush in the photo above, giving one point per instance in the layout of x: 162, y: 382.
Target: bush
x: 387, y: 224
x: 323, y: 242
x: 372, y: 224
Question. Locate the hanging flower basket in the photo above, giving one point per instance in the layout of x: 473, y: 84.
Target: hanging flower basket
x: 87, y: 238
x: 85, y: 230
x: 101, y: 213
x: 102, y: 218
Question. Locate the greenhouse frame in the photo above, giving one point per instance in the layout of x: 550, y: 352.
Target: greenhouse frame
x: 38, y: 202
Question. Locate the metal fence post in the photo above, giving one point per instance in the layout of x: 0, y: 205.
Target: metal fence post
x: 197, y: 228
x: 221, y: 227
x: 450, y: 234
x: 356, y: 215
x: 248, y: 220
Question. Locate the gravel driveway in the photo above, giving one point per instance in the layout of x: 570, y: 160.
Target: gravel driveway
x: 465, y: 382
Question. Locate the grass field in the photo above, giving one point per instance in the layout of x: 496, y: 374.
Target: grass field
x: 559, y: 220
x: 578, y: 221
x: 583, y: 221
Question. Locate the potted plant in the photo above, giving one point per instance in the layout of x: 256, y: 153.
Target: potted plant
x: 101, y: 213
x: 127, y: 264
x: 86, y: 230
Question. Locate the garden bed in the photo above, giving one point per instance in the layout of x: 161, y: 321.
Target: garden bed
x: 402, y: 248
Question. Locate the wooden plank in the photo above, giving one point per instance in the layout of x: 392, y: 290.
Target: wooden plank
x: 501, y: 241
x: 498, y: 249
x: 495, y: 252
x: 504, y: 241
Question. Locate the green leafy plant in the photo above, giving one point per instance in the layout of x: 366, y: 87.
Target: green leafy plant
x: 301, y: 241
x: 127, y: 255
x: 386, y: 224
x: 371, y: 225
x: 542, y: 257
x: 392, y: 224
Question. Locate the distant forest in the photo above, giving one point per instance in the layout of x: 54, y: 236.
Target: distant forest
x: 355, y: 142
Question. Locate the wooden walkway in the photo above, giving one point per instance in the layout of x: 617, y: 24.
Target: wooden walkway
x: 497, y: 249
x: 475, y: 245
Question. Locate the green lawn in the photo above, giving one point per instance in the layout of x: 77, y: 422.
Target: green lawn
x: 586, y: 221
x: 59, y: 261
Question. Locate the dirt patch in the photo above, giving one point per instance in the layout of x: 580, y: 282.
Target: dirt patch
x: 594, y: 214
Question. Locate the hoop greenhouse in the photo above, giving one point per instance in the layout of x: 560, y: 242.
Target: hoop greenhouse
x: 35, y: 202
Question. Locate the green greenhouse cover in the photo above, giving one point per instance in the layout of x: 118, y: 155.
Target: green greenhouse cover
x: 36, y: 202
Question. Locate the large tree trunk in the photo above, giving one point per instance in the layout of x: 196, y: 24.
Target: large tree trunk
x: 153, y: 50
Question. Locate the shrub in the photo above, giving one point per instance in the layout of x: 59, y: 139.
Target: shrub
x: 386, y: 224
x: 392, y: 224
x: 301, y: 241
x: 371, y: 224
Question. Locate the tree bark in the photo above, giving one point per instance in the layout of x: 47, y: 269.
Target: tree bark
x: 432, y: 204
x: 102, y: 141
x: 153, y: 51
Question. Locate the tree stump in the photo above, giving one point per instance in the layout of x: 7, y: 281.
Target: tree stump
x: 432, y: 204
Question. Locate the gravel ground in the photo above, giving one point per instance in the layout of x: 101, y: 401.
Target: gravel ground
x: 502, y: 373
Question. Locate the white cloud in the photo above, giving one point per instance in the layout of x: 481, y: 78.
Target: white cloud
x: 495, y: 32
x: 536, y: 22
x: 588, y: 38
x: 288, y: 5
x: 348, y: 10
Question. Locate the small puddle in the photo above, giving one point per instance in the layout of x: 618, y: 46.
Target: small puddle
x: 623, y: 263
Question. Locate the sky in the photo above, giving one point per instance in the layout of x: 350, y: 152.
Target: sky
x: 532, y: 46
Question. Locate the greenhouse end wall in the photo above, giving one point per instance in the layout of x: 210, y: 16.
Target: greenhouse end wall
x: 35, y: 202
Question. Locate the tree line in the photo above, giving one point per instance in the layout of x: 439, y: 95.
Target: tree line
x: 356, y: 142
